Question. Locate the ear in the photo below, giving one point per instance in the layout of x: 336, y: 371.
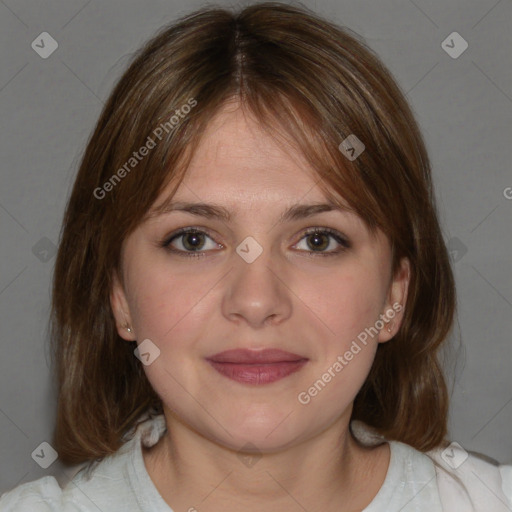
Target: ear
x: 121, y: 310
x: 394, y: 308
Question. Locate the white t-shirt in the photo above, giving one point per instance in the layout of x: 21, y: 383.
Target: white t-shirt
x: 415, y: 482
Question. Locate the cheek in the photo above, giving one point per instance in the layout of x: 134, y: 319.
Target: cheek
x: 348, y: 304
x: 169, y: 309
x: 347, y: 301
x: 164, y: 302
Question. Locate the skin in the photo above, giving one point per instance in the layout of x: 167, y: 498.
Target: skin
x: 290, y: 298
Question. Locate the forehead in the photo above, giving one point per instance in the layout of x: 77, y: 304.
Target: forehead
x: 238, y: 156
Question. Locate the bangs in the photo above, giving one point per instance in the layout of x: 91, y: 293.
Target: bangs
x: 296, y: 128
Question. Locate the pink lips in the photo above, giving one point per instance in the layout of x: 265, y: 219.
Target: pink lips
x: 256, y: 367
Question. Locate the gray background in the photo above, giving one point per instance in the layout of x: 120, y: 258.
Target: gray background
x: 48, y: 108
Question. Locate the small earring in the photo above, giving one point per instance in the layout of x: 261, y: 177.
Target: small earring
x: 390, y: 328
x: 129, y: 329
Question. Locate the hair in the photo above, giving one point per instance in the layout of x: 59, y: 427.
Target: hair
x: 305, y: 80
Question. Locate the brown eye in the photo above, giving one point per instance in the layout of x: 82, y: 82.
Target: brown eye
x: 190, y: 242
x: 323, y: 242
x: 193, y: 241
x: 318, y: 241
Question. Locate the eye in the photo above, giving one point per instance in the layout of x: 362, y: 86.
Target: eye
x: 188, y: 241
x: 194, y: 242
x: 323, y: 242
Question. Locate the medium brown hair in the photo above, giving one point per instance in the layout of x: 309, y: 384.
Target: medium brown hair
x: 305, y: 80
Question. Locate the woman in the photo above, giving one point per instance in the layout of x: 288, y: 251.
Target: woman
x: 252, y: 287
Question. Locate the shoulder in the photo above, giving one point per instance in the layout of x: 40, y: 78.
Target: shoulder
x: 447, y: 478
x: 43, y: 495
x: 98, y: 483
x: 103, y: 484
x: 468, y: 478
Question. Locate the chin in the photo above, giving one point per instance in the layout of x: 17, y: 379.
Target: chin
x: 262, y: 429
x: 255, y: 441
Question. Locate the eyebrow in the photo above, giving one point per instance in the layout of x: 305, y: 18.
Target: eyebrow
x: 214, y: 211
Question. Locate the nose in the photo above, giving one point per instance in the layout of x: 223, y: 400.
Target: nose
x: 256, y: 293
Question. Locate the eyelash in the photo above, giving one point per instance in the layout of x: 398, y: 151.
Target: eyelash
x: 340, y: 239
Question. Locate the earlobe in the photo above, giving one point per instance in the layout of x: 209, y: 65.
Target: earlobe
x: 120, y: 310
x: 395, y: 305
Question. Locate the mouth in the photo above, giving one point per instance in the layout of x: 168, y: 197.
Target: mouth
x: 256, y: 367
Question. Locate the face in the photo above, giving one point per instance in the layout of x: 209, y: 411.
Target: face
x: 274, y: 276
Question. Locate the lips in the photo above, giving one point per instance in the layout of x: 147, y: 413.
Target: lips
x: 256, y: 367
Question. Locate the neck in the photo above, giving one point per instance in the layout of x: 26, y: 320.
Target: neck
x: 331, y: 471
